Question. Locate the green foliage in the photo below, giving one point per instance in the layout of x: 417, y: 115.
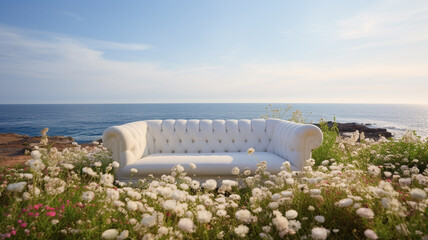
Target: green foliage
x: 281, y: 113
x: 329, y: 148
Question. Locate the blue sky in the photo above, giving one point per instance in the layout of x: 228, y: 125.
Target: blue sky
x: 213, y: 51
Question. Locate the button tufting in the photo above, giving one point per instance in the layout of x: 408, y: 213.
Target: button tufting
x: 233, y: 140
x: 160, y: 151
x: 245, y: 140
x: 167, y: 141
x: 219, y: 140
x: 179, y: 140
x: 185, y: 151
x: 199, y: 151
x: 212, y: 151
x: 193, y: 140
x: 173, y: 151
x: 239, y: 150
x: 206, y: 140
x: 225, y: 151
x: 260, y: 140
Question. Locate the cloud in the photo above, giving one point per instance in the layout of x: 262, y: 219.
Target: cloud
x: 387, y: 23
x: 71, y: 15
x: 41, y: 67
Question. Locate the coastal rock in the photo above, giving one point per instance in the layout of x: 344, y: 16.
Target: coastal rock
x: 369, y: 132
x: 13, y: 146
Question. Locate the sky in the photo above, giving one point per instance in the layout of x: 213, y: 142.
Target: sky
x: 333, y: 51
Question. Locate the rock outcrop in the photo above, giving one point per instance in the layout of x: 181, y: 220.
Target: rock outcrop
x: 369, y: 132
x: 13, y: 146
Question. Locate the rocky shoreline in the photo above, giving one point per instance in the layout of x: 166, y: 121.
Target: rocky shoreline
x: 370, y: 132
x: 13, y: 146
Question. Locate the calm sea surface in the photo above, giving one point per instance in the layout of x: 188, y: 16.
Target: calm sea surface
x: 86, y: 122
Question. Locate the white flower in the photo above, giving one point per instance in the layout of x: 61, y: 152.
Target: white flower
x: 291, y: 214
x: 243, y: 215
x: 16, y: 187
x: 88, y: 196
x: 370, y: 234
x: 250, y: 151
x: 204, y: 216
x: 194, y: 184
x: 294, y: 226
x: 131, y: 205
x: 36, y: 165
x: 110, y: 234
x: 319, y: 233
x: 192, y: 165
x: 68, y: 166
x: 134, y: 170
x: 221, y: 213
x: 123, y: 235
x: 169, y: 204
x: 210, y: 184
x: 54, y: 221
x: 247, y: 172
x: 177, y: 168
x: 115, y: 164
x: 241, y: 230
x: 373, y: 170
x: 235, y: 171
x: 98, y: 164
x: 418, y: 194
x: 311, y: 208
x: 320, y: 219
x: 89, y: 171
x: 163, y: 231
x: 107, y: 180
x: 345, y: 202
x: 273, y: 205
x: 325, y: 162
x: 315, y: 192
x: 112, y: 194
x: 186, y: 225
x: 365, y: 213
x: 36, y: 154
x: 149, y: 220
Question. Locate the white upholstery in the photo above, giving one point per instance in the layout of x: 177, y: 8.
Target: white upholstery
x: 207, y: 164
x: 142, y: 144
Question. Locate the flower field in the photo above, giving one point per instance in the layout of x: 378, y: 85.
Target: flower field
x: 353, y: 188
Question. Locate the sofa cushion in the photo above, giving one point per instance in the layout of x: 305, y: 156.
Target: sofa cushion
x: 207, y: 164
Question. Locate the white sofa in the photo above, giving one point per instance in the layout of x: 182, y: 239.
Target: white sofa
x: 214, y: 146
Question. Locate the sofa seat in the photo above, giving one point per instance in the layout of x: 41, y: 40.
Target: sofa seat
x: 207, y: 164
x: 214, y: 146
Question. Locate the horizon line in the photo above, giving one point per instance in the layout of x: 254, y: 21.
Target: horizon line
x: 118, y: 103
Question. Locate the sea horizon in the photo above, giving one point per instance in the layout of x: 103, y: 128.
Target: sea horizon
x: 86, y: 122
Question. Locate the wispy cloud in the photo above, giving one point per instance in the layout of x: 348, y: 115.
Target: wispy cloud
x: 71, y: 15
x: 65, y: 69
x: 387, y: 23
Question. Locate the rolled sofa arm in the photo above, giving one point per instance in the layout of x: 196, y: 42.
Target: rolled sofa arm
x: 127, y: 142
x: 295, y: 142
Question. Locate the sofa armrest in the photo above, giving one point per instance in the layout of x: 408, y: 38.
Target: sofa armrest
x: 295, y: 142
x: 127, y: 142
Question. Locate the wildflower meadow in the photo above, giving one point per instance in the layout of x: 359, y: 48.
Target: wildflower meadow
x: 351, y: 188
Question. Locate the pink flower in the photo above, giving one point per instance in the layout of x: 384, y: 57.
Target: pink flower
x: 51, y: 214
x: 36, y: 207
x: 24, y: 225
x: 13, y: 232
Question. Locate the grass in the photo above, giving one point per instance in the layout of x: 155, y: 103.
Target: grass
x: 356, y: 170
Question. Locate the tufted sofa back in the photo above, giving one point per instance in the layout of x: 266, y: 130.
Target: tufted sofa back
x: 209, y: 136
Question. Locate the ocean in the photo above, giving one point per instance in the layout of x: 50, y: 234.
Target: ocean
x: 86, y: 122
